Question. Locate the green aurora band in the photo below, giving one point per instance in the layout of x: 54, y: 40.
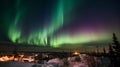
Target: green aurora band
x: 40, y: 37
x: 14, y: 33
x: 80, y: 38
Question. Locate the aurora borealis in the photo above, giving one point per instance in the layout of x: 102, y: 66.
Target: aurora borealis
x: 59, y: 22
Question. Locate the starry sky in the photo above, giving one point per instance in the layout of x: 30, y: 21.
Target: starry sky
x: 59, y: 23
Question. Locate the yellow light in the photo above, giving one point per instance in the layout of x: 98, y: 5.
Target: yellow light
x: 76, y: 53
x: 4, y: 58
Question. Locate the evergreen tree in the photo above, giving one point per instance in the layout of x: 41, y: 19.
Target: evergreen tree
x: 116, y: 45
x: 111, y: 56
x: 104, y: 51
x: 111, y: 52
x: 115, y: 52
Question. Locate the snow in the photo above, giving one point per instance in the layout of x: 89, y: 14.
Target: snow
x: 77, y: 61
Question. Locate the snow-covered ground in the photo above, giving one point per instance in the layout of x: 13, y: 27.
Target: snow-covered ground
x: 15, y: 64
x: 78, y: 61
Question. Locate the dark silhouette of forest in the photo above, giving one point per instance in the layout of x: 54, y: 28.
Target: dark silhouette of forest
x: 114, y: 52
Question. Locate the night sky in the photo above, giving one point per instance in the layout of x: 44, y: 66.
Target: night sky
x: 59, y: 23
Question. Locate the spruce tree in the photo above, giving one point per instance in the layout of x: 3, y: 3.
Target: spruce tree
x: 104, y: 51
x: 116, y: 49
x: 116, y: 45
x: 111, y: 52
x: 111, y: 56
